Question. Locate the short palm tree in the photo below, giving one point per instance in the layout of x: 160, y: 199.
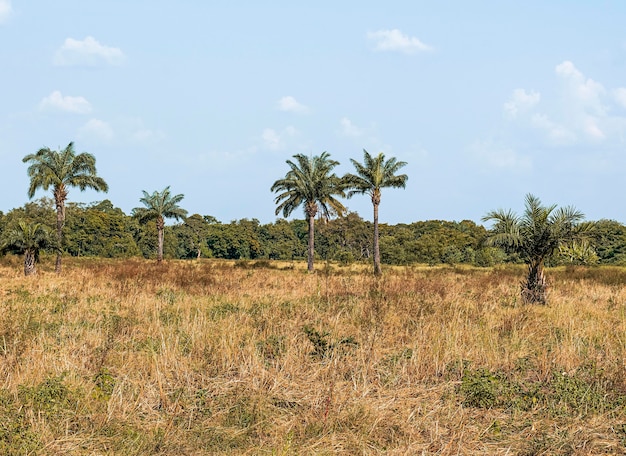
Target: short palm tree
x: 60, y: 170
x: 158, y: 207
x: 535, y: 236
x: 371, y: 176
x: 311, y: 183
x: 29, y: 239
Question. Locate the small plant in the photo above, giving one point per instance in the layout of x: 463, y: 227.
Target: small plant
x: 481, y: 388
x: 16, y: 434
x: 105, y: 383
x: 29, y: 239
x: 52, y: 397
x: 323, y: 348
x: 271, y: 348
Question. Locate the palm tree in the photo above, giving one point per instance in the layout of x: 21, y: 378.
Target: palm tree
x: 371, y: 176
x: 159, y: 206
x: 27, y: 238
x: 60, y: 170
x: 535, y: 236
x: 309, y: 182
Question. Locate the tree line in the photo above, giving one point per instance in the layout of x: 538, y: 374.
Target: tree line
x: 100, y: 229
x: 542, y: 235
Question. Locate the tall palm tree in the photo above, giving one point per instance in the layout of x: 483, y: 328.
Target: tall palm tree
x: 60, y: 170
x: 29, y: 239
x: 374, y: 174
x: 311, y: 183
x: 159, y: 206
x: 535, y: 236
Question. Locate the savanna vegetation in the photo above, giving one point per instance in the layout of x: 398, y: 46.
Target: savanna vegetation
x: 233, y: 347
x: 218, y: 357
x: 102, y: 230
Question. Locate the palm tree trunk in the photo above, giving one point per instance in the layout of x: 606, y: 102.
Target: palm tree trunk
x: 311, y: 248
x: 376, y: 203
x: 29, y: 262
x: 311, y: 210
x: 534, y: 291
x: 160, y: 224
x: 59, y: 199
x: 377, y: 268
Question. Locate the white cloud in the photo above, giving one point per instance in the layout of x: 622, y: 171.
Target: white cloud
x: 97, y: 129
x: 271, y: 138
x: 395, y: 40
x: 521, y: 101
x: 88, y: 52
x: 585, y: 93
x: 349, y: 129
x: 499, y: 156
x: 556, y: 134
x: 579, y: 112
x: 274, y: 140
x: 290, y: 104
x: 5, y: 10
x: 56, y: 101
x: 620, y: 96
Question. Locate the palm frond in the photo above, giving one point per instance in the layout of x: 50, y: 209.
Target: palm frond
x: 159, y: 204
x: 310, y: 180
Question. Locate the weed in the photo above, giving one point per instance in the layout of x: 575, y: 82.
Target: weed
x: 272, y: 347
x: 167, y: 295
x: 481, y: 388
x: 222, y: 310
x: 323, y: 348
x: 52, y: 397
x: 104, y: 384
x: 16, y: 434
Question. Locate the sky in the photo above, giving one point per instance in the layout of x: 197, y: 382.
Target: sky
x: 486, y: 101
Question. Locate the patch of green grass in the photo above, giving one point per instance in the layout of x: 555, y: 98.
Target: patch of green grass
x: 563, y: 394
x: 16, y: 434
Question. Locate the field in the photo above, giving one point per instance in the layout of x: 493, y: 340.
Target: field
x: 200, y: 357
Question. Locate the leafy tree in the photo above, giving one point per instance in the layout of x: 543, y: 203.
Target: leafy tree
x: 236, y: 240
x: 158, y: 207
x: 609, y: 241
x: 374, y: 174
x: 347, y: 238
x: 101, y: 230
x: 192, y: 237
x: 60, y: 170
x: 535, y: 236
x: 281, y: 241
x: 311, y: 183
x: 27, y: 238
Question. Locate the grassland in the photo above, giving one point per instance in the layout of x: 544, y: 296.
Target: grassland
x: 207, y: 357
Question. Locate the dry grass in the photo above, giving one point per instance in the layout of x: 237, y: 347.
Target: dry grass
x: 210, y: 357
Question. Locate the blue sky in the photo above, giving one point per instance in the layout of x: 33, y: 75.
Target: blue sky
x: 486, y: 101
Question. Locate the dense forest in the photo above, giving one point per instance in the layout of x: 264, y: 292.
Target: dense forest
x: 100, y: 229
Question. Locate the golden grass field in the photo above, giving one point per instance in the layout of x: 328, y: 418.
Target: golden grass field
x: 202, y: 357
